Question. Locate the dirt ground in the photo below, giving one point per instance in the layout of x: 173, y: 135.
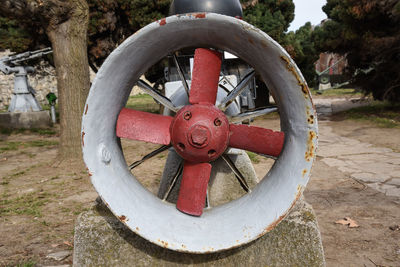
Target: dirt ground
x: 40, y: 198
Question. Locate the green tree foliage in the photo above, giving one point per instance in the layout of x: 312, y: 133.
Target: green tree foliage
x: 21, y: 35
x: 271, y: 16
x: 111, y: 22
x: 301, y: 48
x: 368, y: 32
x: 12, y: 35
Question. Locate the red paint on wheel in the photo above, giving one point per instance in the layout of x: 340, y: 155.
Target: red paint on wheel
x: 256, y: 139
x: 200, y: 15
x: 144, y: 126
x: 193, y: 189
x: 197, y: 138
x: 205, y: 78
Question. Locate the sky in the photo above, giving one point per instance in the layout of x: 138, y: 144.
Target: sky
x: 307, y: 10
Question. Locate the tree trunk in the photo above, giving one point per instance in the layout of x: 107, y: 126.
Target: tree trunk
x: 69, y: 42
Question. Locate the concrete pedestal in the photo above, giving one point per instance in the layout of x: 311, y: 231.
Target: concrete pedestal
x: 25, y: 120
x: 102, y: 240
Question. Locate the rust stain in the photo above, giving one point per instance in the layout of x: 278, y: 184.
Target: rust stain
x: 264, y: 43
x: 292, y: 69
x: 163, y: 22
x: 200, y: 16
x: 310, y: 146
x: 275, y: 223
x: 163, y: 243
x: 86, y: 108
x: 304, y: 172
x: 137, y: 228
x: 310, y: 117
x: 251, y: 41
x: 123, y: 218
x: 83, y: 138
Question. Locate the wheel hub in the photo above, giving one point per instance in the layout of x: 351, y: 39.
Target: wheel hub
x: 200, y: 133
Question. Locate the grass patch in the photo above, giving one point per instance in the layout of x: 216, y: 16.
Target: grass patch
x: 29, y: 263
x: 338, y: 92
x: 28, y: 204
x: 143, y: 102
x: 380, y: 113
x: 253, y: 157
x: 13, y: 146
x: 45, y: 132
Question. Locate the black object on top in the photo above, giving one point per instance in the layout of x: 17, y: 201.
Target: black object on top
x: 225, y: 7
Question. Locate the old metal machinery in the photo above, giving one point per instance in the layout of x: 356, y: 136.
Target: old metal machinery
x: 200, y: 132
x: 23, y: 98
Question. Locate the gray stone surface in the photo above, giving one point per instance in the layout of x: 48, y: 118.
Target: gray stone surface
x: 26, y: 120
x: 102, y: 240
x: 328, y: 106
x: 60, y: 255
x: 376, y: 167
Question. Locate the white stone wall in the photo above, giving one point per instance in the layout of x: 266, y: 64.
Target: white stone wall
x: 43, y: 81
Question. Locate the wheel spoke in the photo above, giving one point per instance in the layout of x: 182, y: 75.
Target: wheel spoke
x: 237, y: 173
x: 205, y: 77
x: 193, y: 189
x: 237, y: 91
x: 256, y: 139
x: 157, y: 96
x: 149, y: 156
x: 250, y: 115
x: 181, y: 75
x: 173, y: 182
x: 208, y: 205
x: 143, y: 126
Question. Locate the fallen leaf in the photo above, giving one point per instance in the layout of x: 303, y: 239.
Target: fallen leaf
x: 69, y: 244
x: 54, y: 245
x: 347, y: 221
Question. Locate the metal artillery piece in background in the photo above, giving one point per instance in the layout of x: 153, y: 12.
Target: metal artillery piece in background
x: 23, y: 98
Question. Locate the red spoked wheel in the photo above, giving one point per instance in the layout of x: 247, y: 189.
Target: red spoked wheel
x: 200, y: 132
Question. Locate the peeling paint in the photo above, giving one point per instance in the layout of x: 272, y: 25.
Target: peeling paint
x: 292, y: 69
x: 123, y: 218
x: 310, y: 117
x: 200, y: 16
x: 309, y: 155
x: 86, y: 109
x: 163, y: 22
x: 83, y: 138
x: 162, y: 243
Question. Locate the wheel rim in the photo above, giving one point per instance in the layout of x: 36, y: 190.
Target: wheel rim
x: 228, y: 225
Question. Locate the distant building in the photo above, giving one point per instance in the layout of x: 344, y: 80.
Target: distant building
x: 329, y: 60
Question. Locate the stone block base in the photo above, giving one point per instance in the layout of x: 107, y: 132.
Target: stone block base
x: 25, y: 120
x: 102, y: 240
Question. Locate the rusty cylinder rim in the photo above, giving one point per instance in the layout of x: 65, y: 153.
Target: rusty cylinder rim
x: 229, y: 225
